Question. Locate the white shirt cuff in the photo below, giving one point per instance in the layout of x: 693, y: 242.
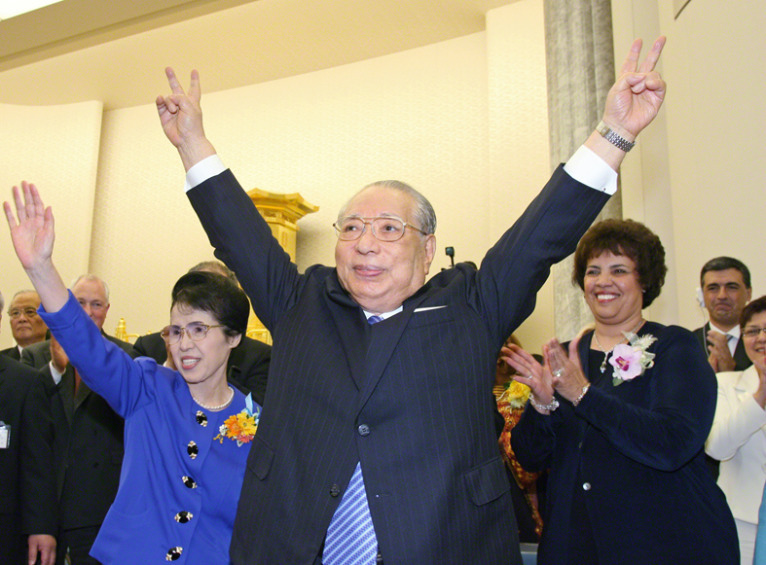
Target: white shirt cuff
x: 54, y: 373
x: 205, y: 169
x: 591, y: 170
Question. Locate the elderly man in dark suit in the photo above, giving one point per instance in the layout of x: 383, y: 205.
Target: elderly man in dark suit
x: 88, y: 446
x: 26, y: 326
x: 248, y: 364
x: 379, y: 442
x: 27, y: 486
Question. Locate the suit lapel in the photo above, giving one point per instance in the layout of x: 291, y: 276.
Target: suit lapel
x: 351, y: 328
x: 66, y: 393
x: 384, y: 337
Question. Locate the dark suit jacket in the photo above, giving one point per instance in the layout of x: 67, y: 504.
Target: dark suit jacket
x: 12, y: 352
x: 248, y: 365
x: 741, y: 360
x: 639, y: 449
x: 27, y: 487
x: 88, y: 445
x: 410, y: 397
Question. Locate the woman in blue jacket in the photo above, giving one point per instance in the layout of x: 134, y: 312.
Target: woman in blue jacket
x: 187, y: 432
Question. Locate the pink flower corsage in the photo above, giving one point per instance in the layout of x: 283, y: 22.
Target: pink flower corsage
x: 632, y: 359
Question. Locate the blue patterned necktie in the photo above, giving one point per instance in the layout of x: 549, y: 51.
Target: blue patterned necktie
x: 351, y: 536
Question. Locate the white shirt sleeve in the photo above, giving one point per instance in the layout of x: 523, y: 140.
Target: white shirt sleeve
x: 205, y: 169
x: 591, y: 170
x: 584, y: 166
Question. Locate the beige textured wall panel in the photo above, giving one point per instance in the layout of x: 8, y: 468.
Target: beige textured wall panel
x: 56, y: 147
x: 419, y: 116
x: 518, y: 133
x: 716, y: 117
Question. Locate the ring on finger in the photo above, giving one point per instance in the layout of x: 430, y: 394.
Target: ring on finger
x: 530, y: 376
x: 558, y: 372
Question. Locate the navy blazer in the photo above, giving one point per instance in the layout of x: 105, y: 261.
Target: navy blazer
x: 639, y: 448
x: 410, y: 397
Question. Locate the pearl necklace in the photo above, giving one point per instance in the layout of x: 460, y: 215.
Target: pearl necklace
x: 606, y: 353
x: 220, y: 406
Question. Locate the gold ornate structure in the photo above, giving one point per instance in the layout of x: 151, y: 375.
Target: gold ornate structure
x: 281, y: 212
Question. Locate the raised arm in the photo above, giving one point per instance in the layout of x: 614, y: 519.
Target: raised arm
x: 632, y: 103
x: 32, y: 234
x: 181, y: 119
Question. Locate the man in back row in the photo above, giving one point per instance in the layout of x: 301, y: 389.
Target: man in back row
x: 379, y: 442
x: 725, y: 288
x: 26, y: 326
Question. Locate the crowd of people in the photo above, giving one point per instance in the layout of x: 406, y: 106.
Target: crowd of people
x: 376, y: 437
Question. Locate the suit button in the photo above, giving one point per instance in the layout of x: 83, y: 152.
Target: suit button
x: 192, y: 450
x: 586, y: 486
x: 189, y: 482
x: 364, y: 430
x: 174, y: 553
x: 334, y: 490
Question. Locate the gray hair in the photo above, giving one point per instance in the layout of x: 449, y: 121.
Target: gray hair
x: 424, y: 212
x: 89, y: 277
x: 215, y: 267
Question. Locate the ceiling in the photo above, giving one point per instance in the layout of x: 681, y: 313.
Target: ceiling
x: 115, y: 51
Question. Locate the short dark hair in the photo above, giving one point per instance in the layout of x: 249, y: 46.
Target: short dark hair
x: 216, y: 294
x: 631, y: 239
x: 724, y: 263
x: 753, y: 307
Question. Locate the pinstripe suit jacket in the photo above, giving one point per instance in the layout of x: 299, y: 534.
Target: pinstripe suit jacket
x: 410, y: 397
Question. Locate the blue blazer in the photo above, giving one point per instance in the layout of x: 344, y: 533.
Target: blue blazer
x: 409, y: 397
x: 179, y: 486
x: 639, y: 447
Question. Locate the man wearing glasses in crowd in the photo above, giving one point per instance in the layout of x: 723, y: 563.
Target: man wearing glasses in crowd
x: 26, y: 326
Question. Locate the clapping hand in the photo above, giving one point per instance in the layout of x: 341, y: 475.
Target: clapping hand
x: 568, y: 377
x: 719, y: 355
x: 530, y: 372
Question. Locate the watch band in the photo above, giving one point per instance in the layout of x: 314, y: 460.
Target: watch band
x: 614, y: 138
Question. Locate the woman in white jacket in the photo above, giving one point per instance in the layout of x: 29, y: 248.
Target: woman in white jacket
x: 738, y: 437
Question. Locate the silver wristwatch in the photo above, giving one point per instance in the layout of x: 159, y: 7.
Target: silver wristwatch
x: 614, y: 138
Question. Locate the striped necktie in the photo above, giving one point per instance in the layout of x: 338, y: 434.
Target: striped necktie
x: 351, y: 536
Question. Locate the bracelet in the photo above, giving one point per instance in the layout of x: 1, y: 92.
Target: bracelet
x: 577, y: 400
x: 614, y: 138
x: 544, y: 408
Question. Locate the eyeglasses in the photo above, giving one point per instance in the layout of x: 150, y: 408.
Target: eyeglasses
x: 17, y: 312
x: 753, y: 332
x: 197, y: 331
x: 384, y: 228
